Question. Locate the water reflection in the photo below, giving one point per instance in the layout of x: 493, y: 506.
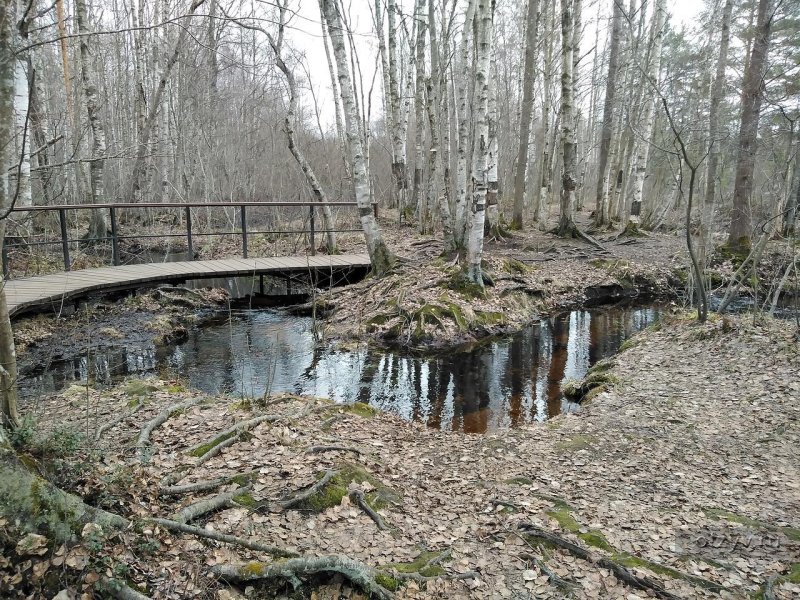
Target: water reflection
x: 504, y: 383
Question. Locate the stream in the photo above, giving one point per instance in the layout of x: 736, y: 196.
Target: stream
x: 500, y: 383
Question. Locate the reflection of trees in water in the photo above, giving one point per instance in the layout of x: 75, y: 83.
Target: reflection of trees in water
x: 559, y: 352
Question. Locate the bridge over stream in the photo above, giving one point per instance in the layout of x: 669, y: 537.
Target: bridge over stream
x: 54, y: 291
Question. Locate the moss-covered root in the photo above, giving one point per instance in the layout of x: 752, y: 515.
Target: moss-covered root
x: 198, y: 509
x: 143, y: 441
x: 42, y: 507
x: 113, y: 588
x: 293, y: 569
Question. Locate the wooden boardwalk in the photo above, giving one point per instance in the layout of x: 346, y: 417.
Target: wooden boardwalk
x: 52, y: 292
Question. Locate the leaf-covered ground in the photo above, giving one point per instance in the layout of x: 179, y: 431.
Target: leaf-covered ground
x: 685, y: 472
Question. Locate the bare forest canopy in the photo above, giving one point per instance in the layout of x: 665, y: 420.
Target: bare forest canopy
x: 465, y: 116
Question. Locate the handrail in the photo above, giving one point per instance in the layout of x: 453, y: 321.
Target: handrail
x: 186, y: 207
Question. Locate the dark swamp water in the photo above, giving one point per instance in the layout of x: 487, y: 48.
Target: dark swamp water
x: 501, y: 383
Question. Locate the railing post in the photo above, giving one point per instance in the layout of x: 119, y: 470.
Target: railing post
x: 244, y: 230
x: 375, y: 209
x: 189, y: 242
x: 114, y: 241
x: 311, y: 221
x: 62, y: 218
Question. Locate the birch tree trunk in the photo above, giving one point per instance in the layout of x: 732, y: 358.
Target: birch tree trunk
x: 8, y: 357
x: 462, y: 221
x: 601, y: 215
x: 337, y: 102
x: 483, y: 48
x: 526, y: 117
x: 641, y: 150
x: 98, y: 227
x: 740, y: 233
x: 435, y: 195
x: 22, y: 135
x: 417, y: 195
x: 134, y: 189
x: 316, y: 187
x: 397, y: 130
x: 715, y: 133
x: 492, y: 224
x: 566, y: 223
x: 379, y: 254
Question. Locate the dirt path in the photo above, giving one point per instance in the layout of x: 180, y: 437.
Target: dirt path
x: 686, y: 472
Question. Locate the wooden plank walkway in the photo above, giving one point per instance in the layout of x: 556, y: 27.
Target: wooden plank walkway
x: 53, y: 291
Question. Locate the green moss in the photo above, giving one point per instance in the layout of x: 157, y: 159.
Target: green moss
x: 489, y: 318
x: 575, y: 443
x: 792, y: 533
x: 387, y: 581
x: 631, y: 342
x: 139, y: 388
x: 361, y: 409
x: 519, y: 481
x: 459, y: 283
x: 567, y: 522
x: 597, y: 540
x: 337, y: 488
x: 420, y: 564
x: 514, y: 266
x: 201, y: 450
x: 252, y: 569
x: 245, y: 404
x: 175, y: 388
x: 245, y: 499
x: 593, y: 393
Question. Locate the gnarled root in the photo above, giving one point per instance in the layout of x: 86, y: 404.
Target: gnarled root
x: 143, y: 441
x: 198, y: 509
x: 293, y: 569
x: 358, y: 497
x: 305, y: 495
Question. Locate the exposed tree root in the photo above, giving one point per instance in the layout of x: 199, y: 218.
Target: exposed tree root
x: 198, y: 509
x: 205, y: 486
x: 293, y: 569
x: 425, y: 578
x: 117, y: 421
x: 358, y: 497
x: 116, y: 589
x: 143, y: 441
x: 233, y: 431
x: 571, y: 230
x: 620, y: 572
x: 227, y: 539
x: 306, y: 494
x: 333, y: 448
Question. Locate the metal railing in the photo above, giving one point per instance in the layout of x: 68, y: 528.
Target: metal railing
x: 114, y: 236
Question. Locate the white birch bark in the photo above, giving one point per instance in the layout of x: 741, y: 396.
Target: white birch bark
x: 435, y: 196
x: 8, y: 357
x: 492, y: 225
x: 461, y: 220
x: 483, y: 48
x: 566, y: 224
x: 22, y: 135
x: 417, y: 195
x: 379, y: 254
x: 98, y: 227
x: 526, y: 118
x: 642, y: 143
x: 398, y: 131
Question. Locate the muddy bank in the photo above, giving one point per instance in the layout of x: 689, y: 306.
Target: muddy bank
x: 683, y: 471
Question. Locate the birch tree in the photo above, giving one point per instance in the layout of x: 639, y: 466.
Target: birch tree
x: 464, y: 147
x: 566, y: 223
x: 8, y: 195
x: 715, y: 132
x: 380, y: 256
x: 752, y: 97
x: 397, y: 130
x: 98, y: 227
x: 641, y: 146
x: 418, y: 197
x: 526, y: 117
x: 601, y: 215
x: 483, y: 48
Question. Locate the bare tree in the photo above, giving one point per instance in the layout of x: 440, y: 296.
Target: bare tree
x: 531, y: 41
x: 380, y: 256
x: 752, y: 97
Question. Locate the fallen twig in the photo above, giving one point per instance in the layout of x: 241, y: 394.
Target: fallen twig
x: 222, y: 537
x: 332, y: 448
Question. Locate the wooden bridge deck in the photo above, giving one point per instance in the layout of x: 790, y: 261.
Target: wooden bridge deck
x: 53, y: 291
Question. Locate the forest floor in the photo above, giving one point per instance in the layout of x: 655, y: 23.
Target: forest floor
x: 681, y: 477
